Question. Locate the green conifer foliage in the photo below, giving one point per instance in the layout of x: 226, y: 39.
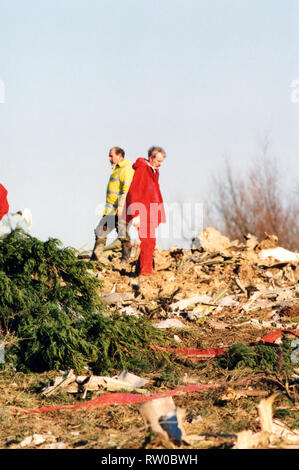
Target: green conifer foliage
x: 259, y: 356
x: 51, y: 316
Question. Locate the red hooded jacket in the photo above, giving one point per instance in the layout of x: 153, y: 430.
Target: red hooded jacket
x: 145, y: 190
x: 4, y: 207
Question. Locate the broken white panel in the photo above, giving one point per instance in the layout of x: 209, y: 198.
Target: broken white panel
x: 195, y: 299
x: 280, y: 254
x: 130, y: 311
x: 132, y: 379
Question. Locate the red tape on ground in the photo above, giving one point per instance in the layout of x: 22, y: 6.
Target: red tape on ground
x: 123, y: 398
x: 130, y: 398
x: 277, y: 334
x: 194, y: 354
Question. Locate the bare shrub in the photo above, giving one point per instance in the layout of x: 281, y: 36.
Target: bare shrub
x: 256, y: 203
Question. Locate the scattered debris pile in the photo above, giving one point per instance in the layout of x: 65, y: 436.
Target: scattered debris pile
x: 273, y: 434
x: 219, y: 284
x: 71, y: 383
x: 218, y: 321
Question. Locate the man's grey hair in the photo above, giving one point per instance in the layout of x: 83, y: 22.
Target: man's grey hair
x: 152, y: 152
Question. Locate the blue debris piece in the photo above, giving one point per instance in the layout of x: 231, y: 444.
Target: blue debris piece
x: 169, y: 423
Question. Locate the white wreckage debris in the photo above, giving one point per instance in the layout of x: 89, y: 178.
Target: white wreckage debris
x: 211, y: 240
x: 273, y: 434
x: 34, y: 440
x: 12, y: 221
x: 182, y: 305
x: 71, y: 383
x: 162, y: 417
x: 48, y: 440
x: 280, y: 254
x: 201, y: 305
x: 274, y: 299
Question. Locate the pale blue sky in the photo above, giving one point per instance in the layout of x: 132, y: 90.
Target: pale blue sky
x: 202, y: 78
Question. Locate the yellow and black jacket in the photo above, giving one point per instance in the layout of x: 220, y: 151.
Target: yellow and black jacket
x: 118, y: 186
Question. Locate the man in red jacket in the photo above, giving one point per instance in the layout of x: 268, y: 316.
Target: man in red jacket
x: 4, y: 207
x: 144, y: 199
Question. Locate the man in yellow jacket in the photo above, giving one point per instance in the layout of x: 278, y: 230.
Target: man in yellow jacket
x: 118, y: 186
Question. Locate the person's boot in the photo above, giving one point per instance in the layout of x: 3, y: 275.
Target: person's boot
x: 137, y: 267
x: 98, y: 249
x: 126, y: 248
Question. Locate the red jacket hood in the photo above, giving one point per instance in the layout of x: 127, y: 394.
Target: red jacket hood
x: 143, y: 163
x: 140, y: 162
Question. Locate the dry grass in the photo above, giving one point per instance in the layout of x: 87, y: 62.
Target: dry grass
x: 208, y: 417
x: 122, y: 427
